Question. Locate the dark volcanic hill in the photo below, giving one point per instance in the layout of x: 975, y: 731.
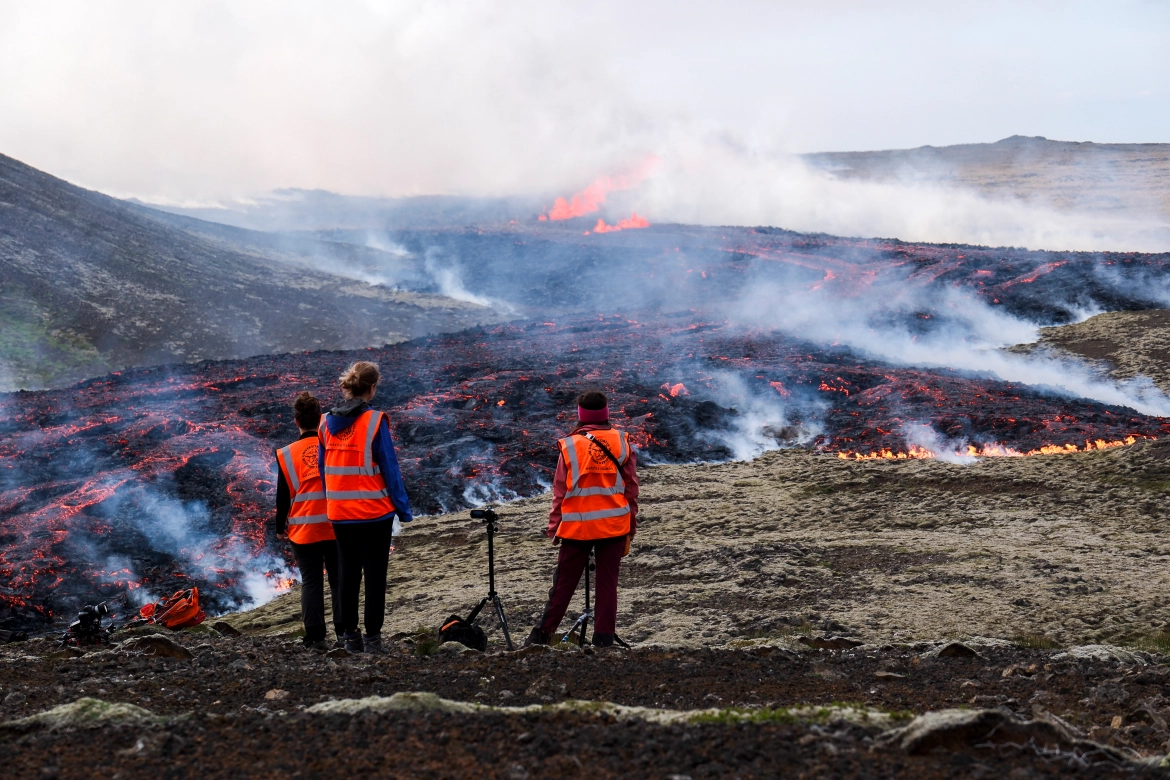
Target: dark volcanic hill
x: 1120, y: 178
x: 89, y: 283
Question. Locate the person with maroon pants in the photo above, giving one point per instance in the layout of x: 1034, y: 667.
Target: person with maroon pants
x: 594, y: 509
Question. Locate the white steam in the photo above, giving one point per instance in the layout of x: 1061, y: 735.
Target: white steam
x: 922, y: 436
x: 448, y: 276
x: 728, y: 184
x: 968, y: 334
x: 761, y: 423
x: 180, y: 528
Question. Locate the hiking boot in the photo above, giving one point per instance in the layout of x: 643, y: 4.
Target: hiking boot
x: 374, y: 645
x: 352, y: 642
x: 319, y: 645
x: 536, y: 638
x: 602, y: 640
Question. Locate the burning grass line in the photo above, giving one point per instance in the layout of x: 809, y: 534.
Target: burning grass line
x: 996, y: 450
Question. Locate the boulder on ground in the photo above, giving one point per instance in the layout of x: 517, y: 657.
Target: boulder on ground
x: 963, y: 729
x: 83, y: 713
x: 157, y: 646
x: 224, y: 628
x: 952, y: 650
x: 1102, y: 653
x: 829, y: 642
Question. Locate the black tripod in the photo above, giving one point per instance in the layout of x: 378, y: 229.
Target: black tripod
x: 587, y: 614
x: 489, y: 517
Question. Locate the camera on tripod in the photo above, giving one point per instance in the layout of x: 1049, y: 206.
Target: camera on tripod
x: 463, y: 630
x: 486, y: 515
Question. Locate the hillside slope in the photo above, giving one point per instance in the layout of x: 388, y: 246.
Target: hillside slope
x: 1122, y: 178
x: 89, y: 283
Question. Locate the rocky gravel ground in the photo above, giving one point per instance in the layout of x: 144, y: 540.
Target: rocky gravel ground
x: 264, y: 707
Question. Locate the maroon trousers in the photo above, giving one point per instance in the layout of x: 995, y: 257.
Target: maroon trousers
x: 571, y: 562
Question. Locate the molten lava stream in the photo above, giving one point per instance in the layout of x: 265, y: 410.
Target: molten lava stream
x: 994, y: 450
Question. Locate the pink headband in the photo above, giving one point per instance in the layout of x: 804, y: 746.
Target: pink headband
x: 593, y: 415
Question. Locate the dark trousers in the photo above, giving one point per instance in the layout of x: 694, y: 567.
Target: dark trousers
x: 571, y: 562
x: 363, y: 547
x: 311, y: 558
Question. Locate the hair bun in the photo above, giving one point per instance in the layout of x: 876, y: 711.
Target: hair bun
x: 359, y: 378
x: 307, y: 410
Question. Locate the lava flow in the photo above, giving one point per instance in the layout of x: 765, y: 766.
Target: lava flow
x: 590, y: 199
x: 632, y: 223
x: 135, y: 484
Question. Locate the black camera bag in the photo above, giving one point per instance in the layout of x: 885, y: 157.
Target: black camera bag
x: 456, y: 629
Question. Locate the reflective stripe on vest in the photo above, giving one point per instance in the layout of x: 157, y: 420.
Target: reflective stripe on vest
x: 357, y: 495
x: 298, y: 464
x: 309, y: 520
x: 595, y: 505
x: 354, y: 485
x: 351, y: 470
x: 600, y: 514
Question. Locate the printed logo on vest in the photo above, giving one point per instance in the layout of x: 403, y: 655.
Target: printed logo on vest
x: 309, y: 461
x: 597, y: 462
x: 346, y: 434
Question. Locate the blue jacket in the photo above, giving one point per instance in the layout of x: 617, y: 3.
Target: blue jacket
x: 346, y: 415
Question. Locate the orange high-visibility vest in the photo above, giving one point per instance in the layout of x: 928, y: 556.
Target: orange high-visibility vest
x: 595, y: 505
x: 354, y: 485
x: 307, y: 518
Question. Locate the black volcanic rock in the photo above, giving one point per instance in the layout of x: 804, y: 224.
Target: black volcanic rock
x: 89, y: 283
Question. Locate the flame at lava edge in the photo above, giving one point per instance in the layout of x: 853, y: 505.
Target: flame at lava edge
x: 590, y: 199
x: 993, y: 451
x: 633, y: 223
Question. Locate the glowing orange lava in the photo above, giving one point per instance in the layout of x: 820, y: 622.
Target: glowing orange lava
x: 589, y: 200
x: 993, y: 450
x: 626, y: 224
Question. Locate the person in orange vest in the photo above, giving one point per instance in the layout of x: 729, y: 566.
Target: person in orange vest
x: 594, y: 508
x: 363, y: 492
x: 301, y: 515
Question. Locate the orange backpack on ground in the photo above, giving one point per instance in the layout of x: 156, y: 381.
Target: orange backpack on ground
x: 178, y: 611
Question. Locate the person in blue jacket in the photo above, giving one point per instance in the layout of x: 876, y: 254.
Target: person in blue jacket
x: 363, y: 493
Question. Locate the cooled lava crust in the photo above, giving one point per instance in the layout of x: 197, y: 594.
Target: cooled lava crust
x: 161, y: 478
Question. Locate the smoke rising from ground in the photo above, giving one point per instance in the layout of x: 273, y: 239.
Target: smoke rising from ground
x: 220, y: 101
x: 714, y: 185
x: 963, y: 332
x: 762, y: 422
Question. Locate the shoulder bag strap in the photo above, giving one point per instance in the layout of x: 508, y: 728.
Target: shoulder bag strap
x: 604, y: 449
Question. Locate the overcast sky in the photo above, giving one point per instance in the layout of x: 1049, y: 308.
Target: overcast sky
x: 198, y: 101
